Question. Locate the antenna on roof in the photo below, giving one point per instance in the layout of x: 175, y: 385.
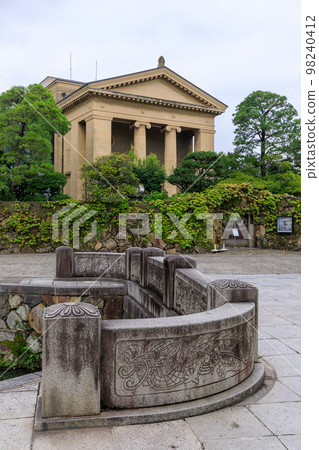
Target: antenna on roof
x: 70, y: 66
x: 95, y: 70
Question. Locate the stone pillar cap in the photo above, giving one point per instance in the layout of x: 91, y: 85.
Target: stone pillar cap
x: 71, y: 309
x: 231, y: 284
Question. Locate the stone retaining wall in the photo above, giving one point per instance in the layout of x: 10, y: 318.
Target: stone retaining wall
x: 22, y: 306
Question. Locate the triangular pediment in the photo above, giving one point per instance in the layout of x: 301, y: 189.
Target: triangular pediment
x: 159, y: 89
x: 159, y: 83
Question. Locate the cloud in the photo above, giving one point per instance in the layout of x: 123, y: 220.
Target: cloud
x: 229, y: 49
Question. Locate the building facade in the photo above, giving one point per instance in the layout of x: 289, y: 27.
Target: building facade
x: 156, y: 111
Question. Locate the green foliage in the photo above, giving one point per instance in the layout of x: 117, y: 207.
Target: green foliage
x: 156, y: 196
x: 150, y: 173
x: 29, y: 118
x: 24, y: 357
x: 198, y: 171
x: 267, y: 129
x: 46, y: 185
x: 32, y: 227
x: 280, y: 183
x: 109, y: 179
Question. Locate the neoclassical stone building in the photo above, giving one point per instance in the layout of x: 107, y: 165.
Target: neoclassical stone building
x: 156, y: 110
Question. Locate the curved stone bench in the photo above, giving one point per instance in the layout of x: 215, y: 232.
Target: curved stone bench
x: 193, y: 340
x: 150, y: 362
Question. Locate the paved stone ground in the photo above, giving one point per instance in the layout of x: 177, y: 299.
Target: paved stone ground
x: 270, y: 421
x: 233, y: 261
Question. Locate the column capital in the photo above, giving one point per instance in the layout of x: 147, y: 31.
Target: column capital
x: 169, y: 128
x: 145, y: 124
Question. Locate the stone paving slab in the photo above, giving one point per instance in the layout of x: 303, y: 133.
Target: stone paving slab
x: 247, y: 443
x: 235, y: 422
x: 156, y: 436
x: 279, y: 394
x: 294, y: 318
x: 294, y: 383
x: 279, y: 418
x: 273, y: 347
x: 292, y: 442
x: 16, y: 405
x: 271, y: 319
x: 16, y: 434
x: 283, y: 331
x: 85, y: 439
x: 293, y: 343
x: 286, y: 365
x: 255, y: 261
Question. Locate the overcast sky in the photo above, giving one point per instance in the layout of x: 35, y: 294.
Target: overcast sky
x: 228, y: 48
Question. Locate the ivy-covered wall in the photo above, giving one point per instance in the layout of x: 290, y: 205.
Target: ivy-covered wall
x: 27, y: 227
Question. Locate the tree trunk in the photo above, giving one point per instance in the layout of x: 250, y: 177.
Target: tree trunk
x: 262, y: 155
x: 11, y: 191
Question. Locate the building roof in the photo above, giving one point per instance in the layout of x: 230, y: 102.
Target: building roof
x: 195, y: 98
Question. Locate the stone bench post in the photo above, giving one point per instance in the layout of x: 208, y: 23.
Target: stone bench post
x: 220, y: 292
x: 171, y: 263
x: 71, y: 360
x: 64, y: 262
x: 129, y: 252
x: 147, y: 252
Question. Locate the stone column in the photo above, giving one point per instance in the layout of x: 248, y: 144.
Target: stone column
x: 64, y: 262
x: 170, y: 155
x: 98, y: 137
x: 204, y: 140
x: 71, y: 360
x: 251, y: 231
x: 73, y: 163
x: 140, y: 138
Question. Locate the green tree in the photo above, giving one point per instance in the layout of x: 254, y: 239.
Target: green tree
x: 46, y: 185
x: 150, y: 173
x: 109, y: 178
x: 266, y: 128
x: 199, y: 170
x: 286, y: 182
x: 29, y: 117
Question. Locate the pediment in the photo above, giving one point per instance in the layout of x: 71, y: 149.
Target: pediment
x: 159, y: 89
x: 160, y: 83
